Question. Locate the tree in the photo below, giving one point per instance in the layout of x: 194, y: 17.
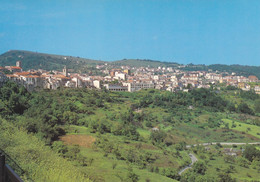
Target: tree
x: 225, y: 177
x: 229, y: 159
x: 73, y: 152
x: 172, y: 173
x: 251, y: 152
x: 257, y: 106
x: 158, y: 136
x: 244, y: 108
x: 231, y: 107
x: 243, y: 162
x: 189, y: 176
x: 200, y: 167
x: 131, y: 176
x: 99, y: 102
x: 70, y: 117
x: 59, y: 147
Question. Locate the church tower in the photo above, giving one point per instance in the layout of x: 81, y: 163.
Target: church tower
x: 19, y: 64
x: 65, y: 71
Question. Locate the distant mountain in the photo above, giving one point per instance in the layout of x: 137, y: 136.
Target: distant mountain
x: 144, y: 63
x: 34, y: 60
x: 238, y: 69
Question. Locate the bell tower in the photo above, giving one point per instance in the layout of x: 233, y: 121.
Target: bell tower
x: 19, y: 64
x: 65, y: 71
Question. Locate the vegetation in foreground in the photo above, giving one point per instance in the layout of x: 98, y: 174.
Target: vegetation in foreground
x: 141, y: 136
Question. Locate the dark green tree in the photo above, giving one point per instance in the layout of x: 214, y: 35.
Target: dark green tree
x: 199, y: 167
x: 257, y: 106
x: 244, y: 108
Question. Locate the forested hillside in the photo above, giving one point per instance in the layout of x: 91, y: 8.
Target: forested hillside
x: 143, y: 63
x: 121, y: 136
x: 238, y: 69
x: 34, y: 60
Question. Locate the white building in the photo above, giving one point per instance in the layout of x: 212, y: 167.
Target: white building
x: 138, y: 86
x: 257, y: 89
x: 120, y: 76
x: 115, y: 87
x: 97, y: 84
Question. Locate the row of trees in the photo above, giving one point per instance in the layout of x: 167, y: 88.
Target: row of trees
x: 208, y: 99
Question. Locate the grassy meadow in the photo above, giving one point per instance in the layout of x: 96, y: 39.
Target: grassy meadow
x: 97, y: 135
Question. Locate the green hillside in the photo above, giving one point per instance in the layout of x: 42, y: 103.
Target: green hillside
x: 238, y: 69
x: 110, y: 136
x: 34, y: 60
x: 143, y: 63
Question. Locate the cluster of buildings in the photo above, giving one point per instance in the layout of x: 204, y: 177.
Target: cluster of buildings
x: 233, y: 151
x: 170, y: 79
x: 125, y: 78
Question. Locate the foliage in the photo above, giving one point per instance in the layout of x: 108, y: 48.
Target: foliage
x: 131, y: 176
x: 158, y: 136
x: 34, y: 60
x: 238, y: 69
x: 244, y: 108
x: 205, y: 97
x: 38, y: 160
x: 121, y: 126
x: 251, y: 153
x: 200, y: 167
x: 225, y: 177
x: 248, y: 94
x: 14, y: 99
x: 257, y: 106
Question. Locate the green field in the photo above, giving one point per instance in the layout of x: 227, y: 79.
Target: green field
x: 103, y: 165
x: 241, y: 173
x: 243, y: 127
x: 110, y: 136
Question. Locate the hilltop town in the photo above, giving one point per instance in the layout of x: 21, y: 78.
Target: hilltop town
x: 127, y: 78
x: 148, y: 135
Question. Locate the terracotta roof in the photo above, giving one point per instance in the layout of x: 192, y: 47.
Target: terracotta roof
x: 46, y: 75
x: 15, y: 67
x: 252, y: 77
x: 22, y: 73
x: 32, y: 76
x: 61, y: 76
x: 35, y: 73
x: 11, y: 76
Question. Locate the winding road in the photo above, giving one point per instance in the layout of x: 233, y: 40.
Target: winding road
x: 194, y: 158
x: 223, y: 143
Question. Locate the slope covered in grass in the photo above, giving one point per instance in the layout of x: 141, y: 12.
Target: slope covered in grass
x: 119, y: 136
x: 38, y: 161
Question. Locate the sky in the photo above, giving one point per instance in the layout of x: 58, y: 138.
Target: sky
x: 183, y: 31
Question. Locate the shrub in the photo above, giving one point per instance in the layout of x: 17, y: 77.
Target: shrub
x: 36, y: 159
